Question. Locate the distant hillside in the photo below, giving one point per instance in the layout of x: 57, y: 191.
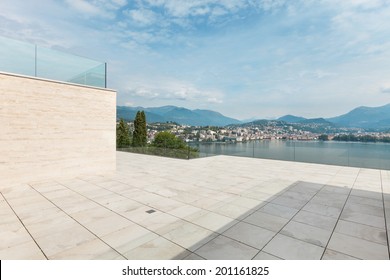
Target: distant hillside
x: 316, y: 121
x: 291, y: 119
x: 177, y: 114
x: 365, y: 117
x: 128, y: 114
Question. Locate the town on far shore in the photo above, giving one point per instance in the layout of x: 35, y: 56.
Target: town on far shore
x: 263, y: 130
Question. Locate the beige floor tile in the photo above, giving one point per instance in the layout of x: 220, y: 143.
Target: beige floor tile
x: 331, y: 200
x: 194, y: 257
x: 224, y: 248
x: 316, y: 220
x: 364, y: 209
x: 157, y: 249
x: 190, y: 236
x: 91, y: 250
x: 126, y: 239
x: 358, y: 248
x: 24, y: 251
x: 265, y: 256
x: 91, y: 215
x: 307, y: 233
x: 367, y: 194
x: 13, y: 234
x: 249, y: 203
x: 166, y: 204
x: 159, y: 222
x: 335, y: 189
x: 44, y: 215
x: 365, y: 232
x: 323, y: 210
x: 232, y: 211
x: 365, y: 201
x: 249, y: 234
x: 123, y: 206
x: 297, y: 195
x: 255, y: 193
x: 184, y: 211
x: 361, y: 218
x: 53, y: 225
x: 61, y: 241
x: 205, y: 203
x: 334, y: 255
x: 106, y: 225
x: 266, y: 221
x: 214, y: 222
x: 107, y: 199
x: 31, y: 210
x: 289, y: 202
x: 292, y: 249
x: 279, y: 210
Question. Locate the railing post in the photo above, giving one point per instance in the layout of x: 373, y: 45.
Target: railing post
x: 36, y: 61
x: 294, y: 149
x: 105, y: 74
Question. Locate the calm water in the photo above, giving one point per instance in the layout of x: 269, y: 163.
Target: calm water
x: 370, y: 155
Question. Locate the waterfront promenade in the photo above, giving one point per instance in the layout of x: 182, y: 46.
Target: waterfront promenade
x: 218, y: 207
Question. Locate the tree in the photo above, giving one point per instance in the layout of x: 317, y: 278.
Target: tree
x: 323, y: 137
x: 122, y: 134
x: 139, y: 135
x: 172, y: 146
x: 168, y: 140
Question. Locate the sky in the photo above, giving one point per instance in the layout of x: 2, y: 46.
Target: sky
x: 243, y: 58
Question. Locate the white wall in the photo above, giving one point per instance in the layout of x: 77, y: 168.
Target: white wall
x: 51, y: 129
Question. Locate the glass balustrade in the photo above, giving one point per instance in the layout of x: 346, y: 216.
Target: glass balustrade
x: 32, y: 60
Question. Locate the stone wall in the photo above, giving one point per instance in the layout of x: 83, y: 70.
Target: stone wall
x: 51, y: 129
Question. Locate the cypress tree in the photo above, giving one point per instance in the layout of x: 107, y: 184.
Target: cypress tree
x: 144, y: 133
x: 139, y: 135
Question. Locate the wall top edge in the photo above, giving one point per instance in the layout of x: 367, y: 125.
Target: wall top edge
x: 54, y: 81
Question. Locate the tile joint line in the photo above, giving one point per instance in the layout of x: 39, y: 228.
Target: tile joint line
x: 384, y: 213
x: 24, y: 226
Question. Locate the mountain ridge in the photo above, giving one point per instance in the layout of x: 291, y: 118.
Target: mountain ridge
x: 371, y: 118
x: 180, y: 115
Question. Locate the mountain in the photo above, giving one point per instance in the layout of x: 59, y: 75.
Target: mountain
x: 128, y: 113
x: 316, y: 121
x: 217, y: 117
x: 291, y: 119
x: 365, y: 117
x: 177, y: 114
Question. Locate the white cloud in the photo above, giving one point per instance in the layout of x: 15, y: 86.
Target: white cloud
x: 385, y: 88
x: 213, y: 8
x: 84, y: 7
x: 142, y: 17
x: 99, y: 8
x: 171, y: 89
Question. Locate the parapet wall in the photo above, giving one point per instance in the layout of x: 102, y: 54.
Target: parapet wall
x: 51, y: 129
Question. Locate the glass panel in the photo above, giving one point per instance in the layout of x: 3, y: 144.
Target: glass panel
x: 95, y: 76
x: 28, y: 59
x: 17, y: 57
x: 55, y: 65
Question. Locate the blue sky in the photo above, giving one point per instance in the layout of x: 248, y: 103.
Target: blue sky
x: 243, y: 58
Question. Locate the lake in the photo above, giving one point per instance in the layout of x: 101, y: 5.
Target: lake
x: 369, y: 155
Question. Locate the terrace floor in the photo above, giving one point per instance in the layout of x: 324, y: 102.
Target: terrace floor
x: 210, y: 208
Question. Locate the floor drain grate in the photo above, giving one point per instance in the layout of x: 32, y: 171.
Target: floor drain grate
x: 150, y: 211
